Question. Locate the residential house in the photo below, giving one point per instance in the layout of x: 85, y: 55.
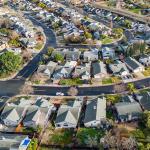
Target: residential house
x: 95, y: 114
x: 127, y: 98
x: 99, y: 70
x: 90, y: 55
x: 68, y: 115
x: 36, y: 116
x: 70, y: 64
x: 47, y: 70
x: 119, y: 69
x: 32, y: 42
x: 128, y: 111
x: 14, y: 141
x: 108, y: 53
x: 43, y: 103
x: 12, y: 115
x: 144, y: 100
x: 145, y: 60
x: 22, y: 102
x: 62, y: 72
x: 83, y: 71
x: 72, y: 55
x: 134, y: 65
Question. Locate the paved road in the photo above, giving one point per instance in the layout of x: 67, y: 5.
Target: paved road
x: 28, y: 70
x: 12, y: 87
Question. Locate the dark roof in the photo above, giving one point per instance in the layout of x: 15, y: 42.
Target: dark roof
x: 30, y: 114
x: 144, y: 100
x: 96, y: 68
x: 72, y: 55
x: 132, y: 63
x: 90, y: 113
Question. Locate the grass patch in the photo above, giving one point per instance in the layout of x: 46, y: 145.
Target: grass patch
x: 111, y: 80
x: 107, y: 81
x: 86, y: 135
x: 147, y: 72
x: 107, y: 40
x: 62, y: 137
x: 135, y: 10
x: 75, y: 81
x: 38, y: 46
x: 113, y: 98
x: 116, y: 79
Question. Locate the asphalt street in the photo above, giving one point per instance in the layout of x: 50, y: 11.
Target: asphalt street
x: 12, y: 87
x: 29, y: 69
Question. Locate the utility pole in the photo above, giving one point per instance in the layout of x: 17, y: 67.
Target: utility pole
x: 111, y: 22
x: 118, y: 4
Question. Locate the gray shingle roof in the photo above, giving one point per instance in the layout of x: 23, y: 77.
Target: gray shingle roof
x: 144, y: 100
x: 132, y: 63
x: 95, y: 110
x: 69, y: 112
x: 69, y: 115
x: 98, y: 67
x: 125, y: 108
x: 13, y: 113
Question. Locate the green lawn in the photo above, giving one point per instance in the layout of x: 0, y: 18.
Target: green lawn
x: 107, y: 81
x: 89, y: 135
x: 63, y: 137
x: 38, y: 46
x: 111, y: 80
x: 107, y: 40
x: 135, y: 10
x: 75, y: 81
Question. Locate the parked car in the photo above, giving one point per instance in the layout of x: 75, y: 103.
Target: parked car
x: 59, y: 94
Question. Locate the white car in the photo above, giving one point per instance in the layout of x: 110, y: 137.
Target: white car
x: 59, y: 94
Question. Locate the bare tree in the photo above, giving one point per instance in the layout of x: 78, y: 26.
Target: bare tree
x: 26, y: 55
x: 129, y: 144
x: 72, y: 91
x: 26, y: 89
x: 37, y: 77
x: 14, y: 35
x: 119, y: 88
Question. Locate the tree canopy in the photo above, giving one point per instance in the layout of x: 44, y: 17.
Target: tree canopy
x: 9, y: 62
x: 58, y: 57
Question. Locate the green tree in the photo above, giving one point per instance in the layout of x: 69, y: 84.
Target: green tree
x: 50, y: 50
x: 131, y: 87
x: 128, y: 23
x: 58, y: 57
x: 117, y: 32
x: 14, y: 42
x: 42, y: 5
x: 33, y: 144
x: 136, y: 48
x: 88, y: 35
x: 146, y: 118
x: 9, y: 62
